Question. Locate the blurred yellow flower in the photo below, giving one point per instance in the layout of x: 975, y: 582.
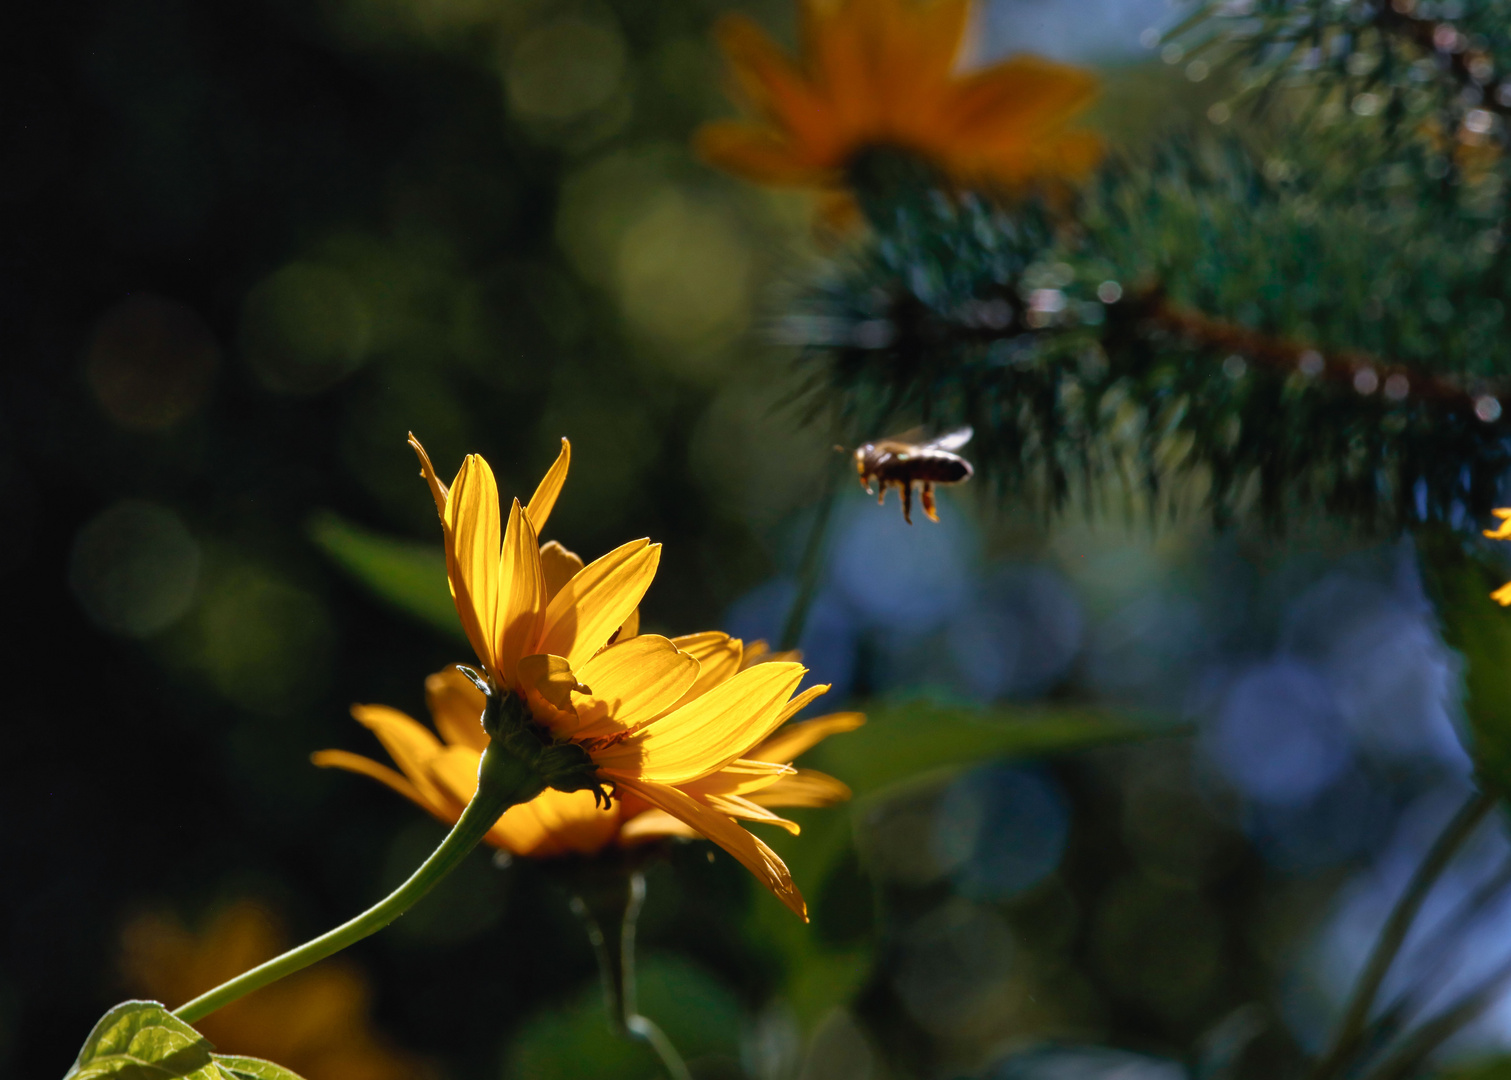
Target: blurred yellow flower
x: 670, y: 726
x: 886, y: 74
x: 314, y: 1023
x: 1502, y: 531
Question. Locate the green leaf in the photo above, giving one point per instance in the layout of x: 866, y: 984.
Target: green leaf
x: 141, y: 1040
x: 906, y: 740
x: 250, y: 1068
x: 1460, y: 583
x: 409, y: 575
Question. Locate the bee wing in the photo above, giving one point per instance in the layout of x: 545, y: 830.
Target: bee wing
x: 912, y: 437
x: 951, y: 440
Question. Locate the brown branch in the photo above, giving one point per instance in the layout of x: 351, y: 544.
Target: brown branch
x: 1360, y: 371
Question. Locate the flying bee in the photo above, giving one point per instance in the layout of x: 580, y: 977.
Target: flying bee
x: 902, y: 462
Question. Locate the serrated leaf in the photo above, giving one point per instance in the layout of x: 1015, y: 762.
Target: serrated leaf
x: 902, y: 741
x: 409, y: 575
x: 142, y: 1040
x: 1460, y: 583
x: 249, y: 1068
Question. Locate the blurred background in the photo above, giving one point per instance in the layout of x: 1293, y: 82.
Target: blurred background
x: 248, y: 246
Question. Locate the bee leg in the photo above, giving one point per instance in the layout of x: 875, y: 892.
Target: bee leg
x: 907, y: 502
x: 881, y: 495
x: 928, y: 502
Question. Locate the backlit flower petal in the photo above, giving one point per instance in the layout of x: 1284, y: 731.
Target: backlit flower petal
x: 522, y: 593
x: 743, y: 809
x: 794, y: 739
x: 547, y: 683
x: 806, y: 787
x: 544, y: 499
x: 719, y: 658
x: 754, y: 153
x: 799, y: 703
x: 409, y: 743
x: 708, y: 733
x: 472, y: 522
x: 632, y: 682
x: 653, y: 825
x: 751, y: 852
x: 585, y: 613
x: 630, y: 627
x: 557, y: 566
x: 438, y: 490
x: 344, y: 759
x: 740, y: 777
x: 556, y: 823
x: 456, y: 706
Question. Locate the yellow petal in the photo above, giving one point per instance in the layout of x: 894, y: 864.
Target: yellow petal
x: 456, y: 706
x: 585, y: 613
x: 454, y: 771
x: 799, y: 703
x: 473, y: 521
x: 522, y: 593
x: 806, y: 787
x: 557, y: 566
x: 653, y: 825
x: 719, y: 658
x: 410, y: 745
x: 438, y: 490
x: 1502, y: 596
x: 547, y: 683
x: 1503, y: 530
x: 632, y: 682
x: 556, y: 823
x: 630, y: 627
x: 544, y: 499
x: 758, y: 154
x: 794, y: 739
x: 740, y: 777
x: 344, y: 759
x: 709, y: 733
x: 743, y: 809
x: 754, y: 855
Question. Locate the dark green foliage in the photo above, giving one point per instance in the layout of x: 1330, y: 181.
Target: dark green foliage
x: 1301, y: 320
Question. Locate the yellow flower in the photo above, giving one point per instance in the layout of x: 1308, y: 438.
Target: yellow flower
x: 885, y: 74
x: 440, y: 774
x: 672, y: 726
x: 314, y: 1023
x: 1502, y: 531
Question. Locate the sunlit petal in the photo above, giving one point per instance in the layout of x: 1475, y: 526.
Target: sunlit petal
x: 632, y: 682
x: 522, y: 593
x: 751, y: 852
x: 356, y: 763
x: 409, y: 743
x: 456, y: 706
x: 794, y: 739
x: 806, y: 787
x: 547, y: 683
x: 557, y: 566
x: 472, y: 521
x: 585, y: 613
x: 544, y: 499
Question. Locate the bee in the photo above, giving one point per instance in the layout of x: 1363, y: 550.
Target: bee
x: 902, y: 462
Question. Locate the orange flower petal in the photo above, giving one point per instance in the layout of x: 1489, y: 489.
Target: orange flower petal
x: 806, y: 787
x: 557, y: 566
x: 438, y: 490
x: 556, y: 823
x: 585, y: 613
x: 794, y: 739
x: 472, y: 521
x: 743, y: 809
x: 653, y: 825
x: 547, y: 683
x: 521, y: 593
x: 410, y: 744
x: 759, y: 154
x: 751, y: 852
x: 544, y: 499
x: 456, y: 706
x: 356, y: 763
x: 632, y: 682
x: 708, y: 733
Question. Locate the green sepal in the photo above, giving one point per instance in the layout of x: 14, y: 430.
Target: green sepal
x: 565, y: 766
x: 1460, y: 580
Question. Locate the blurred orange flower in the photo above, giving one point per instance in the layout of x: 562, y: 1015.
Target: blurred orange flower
x: 1502, y: 531
x: 886, y: 74
x: 671, y: 727
x: 314, y: 1023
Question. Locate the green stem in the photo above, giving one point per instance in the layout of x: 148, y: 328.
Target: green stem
x: 616, y: 904
x: 1352, y: 1029
x: 503, y: 781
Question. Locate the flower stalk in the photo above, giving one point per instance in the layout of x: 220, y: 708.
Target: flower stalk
x: 504, y: 780
x: 609, y: 906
